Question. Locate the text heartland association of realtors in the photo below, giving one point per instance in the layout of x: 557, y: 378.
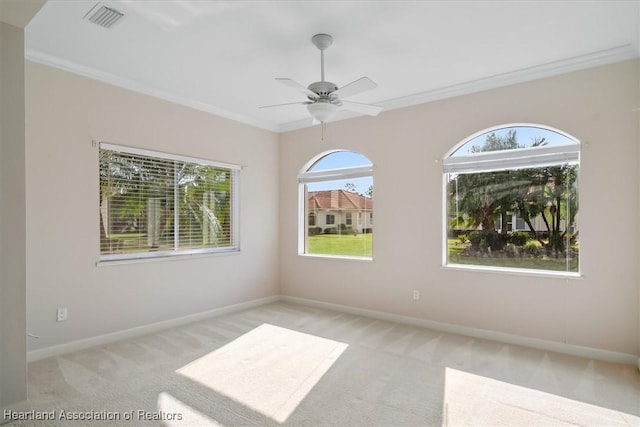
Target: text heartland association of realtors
x: 133, y: 415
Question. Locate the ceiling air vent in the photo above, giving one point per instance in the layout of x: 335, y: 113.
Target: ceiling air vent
x: 104, y: 16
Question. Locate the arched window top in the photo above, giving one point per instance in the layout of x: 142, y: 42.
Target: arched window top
x: 511, y: 201
x: 338, y: 160
x: 511, y: 137
x: 335, y: 165
x: 521, y: 145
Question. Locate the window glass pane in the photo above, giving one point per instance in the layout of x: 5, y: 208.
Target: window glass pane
x: 157, y: 206
x: 512, y: 200
x: 340, y: 159
x: 333, y: 204
x: 204, y: 197
x: 510, y: 138
x: 541, y: 201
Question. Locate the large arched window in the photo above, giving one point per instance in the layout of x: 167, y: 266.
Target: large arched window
x: 511, y: 200
x: 336, y: 206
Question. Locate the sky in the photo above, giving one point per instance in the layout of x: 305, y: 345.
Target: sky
x: 524, y: 134
x: 338, y: 160
x: 341, y: 159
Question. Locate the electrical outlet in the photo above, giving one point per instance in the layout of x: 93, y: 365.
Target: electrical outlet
x: 416, y: 295
x: 62, y: 314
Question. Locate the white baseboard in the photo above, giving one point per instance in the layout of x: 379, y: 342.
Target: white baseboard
x: 22, y: 407
x: 69, y: 347
x: 559, y: 347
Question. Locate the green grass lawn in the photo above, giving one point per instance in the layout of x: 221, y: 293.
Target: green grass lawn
x: 335, y: 244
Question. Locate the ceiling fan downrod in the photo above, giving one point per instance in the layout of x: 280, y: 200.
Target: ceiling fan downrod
x: 322, y: 42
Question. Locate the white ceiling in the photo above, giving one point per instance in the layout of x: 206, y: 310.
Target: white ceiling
x: 223, y: 56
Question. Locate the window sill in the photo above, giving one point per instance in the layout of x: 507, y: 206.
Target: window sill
x: 513, y: 271
x: 177, y: 257
x: 337, y: 258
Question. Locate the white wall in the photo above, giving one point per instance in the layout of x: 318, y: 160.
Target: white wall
x: 13, y: 366
x: 64, y: 112
x: 600, y: 310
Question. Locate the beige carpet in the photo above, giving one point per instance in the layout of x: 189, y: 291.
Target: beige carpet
x: 291, y: 365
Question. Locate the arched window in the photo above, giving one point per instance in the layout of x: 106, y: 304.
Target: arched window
x: 511, y: 199
x: 336, y: 206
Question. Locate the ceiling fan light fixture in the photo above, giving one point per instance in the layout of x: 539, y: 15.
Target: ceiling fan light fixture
x: 322, y: 111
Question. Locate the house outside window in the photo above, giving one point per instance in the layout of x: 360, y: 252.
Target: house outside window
x: 157, y: 205
x: 511, y: 201
x: 312, y: 219
x: 336, y: 186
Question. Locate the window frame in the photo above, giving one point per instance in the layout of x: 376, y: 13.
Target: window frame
x: 519, y: 158
x: 234, y: 245
x: 305, y: 176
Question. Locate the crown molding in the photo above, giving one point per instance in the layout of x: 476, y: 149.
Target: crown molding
x: 595, y: 59
x: 136, y: 86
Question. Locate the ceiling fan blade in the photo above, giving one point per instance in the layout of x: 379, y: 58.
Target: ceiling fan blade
x: 294, y: 84
x: 355, y: 87
x: 368, y: 109
x: 288, y: 103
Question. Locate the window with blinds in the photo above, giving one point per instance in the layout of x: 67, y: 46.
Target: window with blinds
x: 155, y: 204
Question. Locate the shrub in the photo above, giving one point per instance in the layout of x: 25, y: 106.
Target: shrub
x: 314, y: 231
x: 519, y: 238
x: 533, y: 247
x: 496, y: 241
x: 463, y: 238
x: 475, y: 237
x: 331, y: 230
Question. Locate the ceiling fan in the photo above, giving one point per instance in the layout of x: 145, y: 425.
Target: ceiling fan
x: 324, y: 98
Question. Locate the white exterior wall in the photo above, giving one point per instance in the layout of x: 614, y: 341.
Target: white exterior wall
x: 341, y: 218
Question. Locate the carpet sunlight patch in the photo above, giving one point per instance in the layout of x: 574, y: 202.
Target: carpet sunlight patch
x: 474, y: 400
x: 186, y: 415
x: 269, y: 369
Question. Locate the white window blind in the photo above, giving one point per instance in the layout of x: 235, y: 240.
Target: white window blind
x: 512, y: 159
x: 335, y: 174
x: 155, y: 204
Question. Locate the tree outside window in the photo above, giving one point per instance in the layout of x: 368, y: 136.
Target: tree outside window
x: 511, y: 175
x: 154, y: 205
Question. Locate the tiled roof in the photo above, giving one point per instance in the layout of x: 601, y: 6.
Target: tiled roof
x: 338, y: 199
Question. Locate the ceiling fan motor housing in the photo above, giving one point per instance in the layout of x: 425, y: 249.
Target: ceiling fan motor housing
x: 323, y: 89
